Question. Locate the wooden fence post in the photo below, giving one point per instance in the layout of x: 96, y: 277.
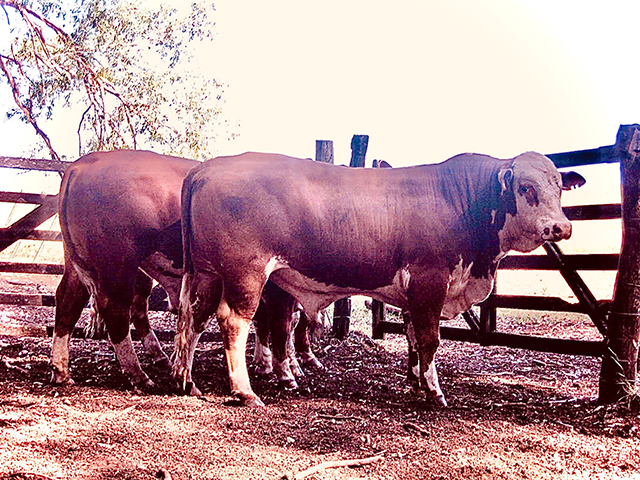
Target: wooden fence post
x: 324, y: 151
x: 620, y: 361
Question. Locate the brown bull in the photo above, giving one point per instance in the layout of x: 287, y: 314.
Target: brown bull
x: 120, y: 221
x: 427, y: 239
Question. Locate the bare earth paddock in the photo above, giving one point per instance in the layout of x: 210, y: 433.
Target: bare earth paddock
x: 513, y: 414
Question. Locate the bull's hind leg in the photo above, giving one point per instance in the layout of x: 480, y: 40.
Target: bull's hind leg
x: 262, y: 356
x: 199, y: 298
x: 71, y: 297
x: 114, y: 308
x: 235, y: 330
x: 279, y: 307
x: 237, y: 307
x: 140, y: 319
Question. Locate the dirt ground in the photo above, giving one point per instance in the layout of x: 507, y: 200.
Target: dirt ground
x: 512, y: 414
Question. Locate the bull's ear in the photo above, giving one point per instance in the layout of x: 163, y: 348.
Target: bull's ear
x: 505, y: 177
x: 572, y: 180
x: 381, y: 164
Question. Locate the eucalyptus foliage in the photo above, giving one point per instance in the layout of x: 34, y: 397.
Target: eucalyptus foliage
x: 130, y: 71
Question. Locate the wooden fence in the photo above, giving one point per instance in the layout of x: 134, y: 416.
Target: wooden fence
x: 482, y: 328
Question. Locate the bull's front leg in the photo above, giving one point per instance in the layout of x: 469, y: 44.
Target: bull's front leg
x: 140, y: 318
x: 234, y: 329
x: 426, y: 296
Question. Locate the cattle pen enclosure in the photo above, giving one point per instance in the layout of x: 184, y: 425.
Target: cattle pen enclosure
x: 513, y: 414
x: 482, y: 328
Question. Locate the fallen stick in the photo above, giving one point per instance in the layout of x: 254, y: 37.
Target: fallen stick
x: 338, y: 417
x: 5, y: 362
x: 21, y: 475
x: 358, y: 462
x: 413, y: 426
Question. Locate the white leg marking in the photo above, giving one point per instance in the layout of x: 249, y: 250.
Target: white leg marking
x: 262, y: 358
x: 308, y: 359
x: 128, y: 359
x: 60, y: 360
x: 153, y: 348
x: 236, y: 331
x: 431, y: 379
x: 284, y: 374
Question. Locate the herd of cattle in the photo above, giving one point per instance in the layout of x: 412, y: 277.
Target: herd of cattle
x: 250, y: 237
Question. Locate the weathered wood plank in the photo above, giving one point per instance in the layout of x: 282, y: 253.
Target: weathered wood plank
x: 20, y: 197
x: 24, y: 299
x: 529, y: 302
x: 30, y: 222
x: 607, y: 154
x: 37, y: 268
x: 618, y: 377
x: 162, y: 335
x: 594, y: 261
x: 608, y: 211
x: 48, y: 235
x: 527, y: 342
x: 42, y: 164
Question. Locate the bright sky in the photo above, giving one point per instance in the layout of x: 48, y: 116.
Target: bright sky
x: 426, y: 79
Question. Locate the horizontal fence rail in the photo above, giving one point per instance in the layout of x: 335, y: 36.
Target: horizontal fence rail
x: 481, y: 329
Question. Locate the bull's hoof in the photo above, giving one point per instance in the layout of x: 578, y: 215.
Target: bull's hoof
x: 195, y: 391
x: 295, y: 369
x: 249, y: 400
x: 440, y: 400
x: 263, y: 370
x: 59, y: 380
x: 253, y: 402
x: 145, y: 385
x: 288, y: 384
x: 313, y: 363
x: 188, y: 389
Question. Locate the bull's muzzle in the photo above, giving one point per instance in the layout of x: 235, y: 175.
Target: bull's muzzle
x: 556, y: 231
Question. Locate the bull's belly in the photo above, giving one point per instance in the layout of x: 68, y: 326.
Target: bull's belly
x: 315, y: 296
x: 463, y: 291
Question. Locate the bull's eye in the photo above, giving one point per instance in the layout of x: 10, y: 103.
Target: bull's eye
x: 529, y: 193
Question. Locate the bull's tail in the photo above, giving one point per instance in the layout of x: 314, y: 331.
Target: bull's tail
x: 187, y: 190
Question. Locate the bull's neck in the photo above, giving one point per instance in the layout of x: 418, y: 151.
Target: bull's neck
x: 471, y: 187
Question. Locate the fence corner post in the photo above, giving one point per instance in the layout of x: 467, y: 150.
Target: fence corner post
x: 620, y: 361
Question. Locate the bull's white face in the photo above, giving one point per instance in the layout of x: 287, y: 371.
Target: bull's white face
x: 536, y: 185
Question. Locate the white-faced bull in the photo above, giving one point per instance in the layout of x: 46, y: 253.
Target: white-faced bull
x: 427, y: 239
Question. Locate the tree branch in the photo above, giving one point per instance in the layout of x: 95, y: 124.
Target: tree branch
x: 26, y: 110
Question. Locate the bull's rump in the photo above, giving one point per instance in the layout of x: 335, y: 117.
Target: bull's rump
x: 114, y: 204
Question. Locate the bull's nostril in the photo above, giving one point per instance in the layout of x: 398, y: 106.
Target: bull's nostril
x: 547, y: 231
x: 557, y: 230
